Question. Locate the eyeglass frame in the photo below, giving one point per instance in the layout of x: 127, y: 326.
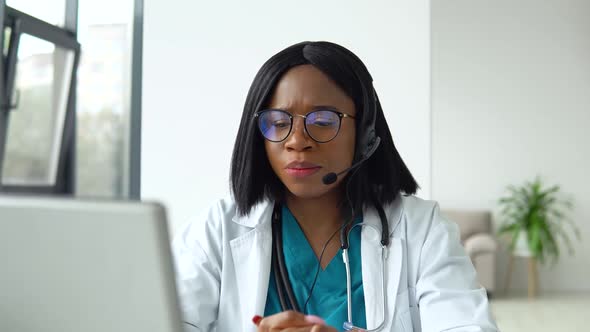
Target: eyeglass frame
x: 341, y: 115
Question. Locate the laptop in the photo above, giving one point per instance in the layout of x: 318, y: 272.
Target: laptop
x: 81, y: 265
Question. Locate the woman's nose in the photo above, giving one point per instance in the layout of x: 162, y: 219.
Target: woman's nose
x: 298, y: 139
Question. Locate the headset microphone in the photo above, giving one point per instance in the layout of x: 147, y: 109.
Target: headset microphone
x: 332, y: 177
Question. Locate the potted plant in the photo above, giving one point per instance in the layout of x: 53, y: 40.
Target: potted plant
x: 535, y: 218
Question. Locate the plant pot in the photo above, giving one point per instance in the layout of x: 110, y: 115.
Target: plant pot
x: 521, y: 247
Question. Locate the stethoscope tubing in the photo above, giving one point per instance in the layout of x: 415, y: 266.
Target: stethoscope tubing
x: 348, y: 326
x: 282, y: 279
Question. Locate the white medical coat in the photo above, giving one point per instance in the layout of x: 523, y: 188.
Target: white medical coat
x: 223, y: 264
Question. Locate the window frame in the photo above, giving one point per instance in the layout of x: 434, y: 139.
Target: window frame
x: 22, y: 23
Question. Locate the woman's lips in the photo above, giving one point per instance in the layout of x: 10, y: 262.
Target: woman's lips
x: 302, y: 172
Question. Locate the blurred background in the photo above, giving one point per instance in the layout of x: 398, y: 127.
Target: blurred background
x: 510, y: 103
x: 488, y: 103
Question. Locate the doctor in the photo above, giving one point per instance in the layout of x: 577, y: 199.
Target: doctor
x: 322, y: 232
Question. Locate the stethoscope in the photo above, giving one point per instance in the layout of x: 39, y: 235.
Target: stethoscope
x: 284, y: 289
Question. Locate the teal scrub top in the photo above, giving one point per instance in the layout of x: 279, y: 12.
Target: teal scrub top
x: 329, y: 294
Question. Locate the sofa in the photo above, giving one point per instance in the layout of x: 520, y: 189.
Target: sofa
x: 478, y: 239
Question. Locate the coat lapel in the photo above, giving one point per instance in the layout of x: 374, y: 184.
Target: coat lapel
x: 372, y: 267
x: 251, y: 252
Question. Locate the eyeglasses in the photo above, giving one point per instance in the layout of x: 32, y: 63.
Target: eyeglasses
x: 321, y: 125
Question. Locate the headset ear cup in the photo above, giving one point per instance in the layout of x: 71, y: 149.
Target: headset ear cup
x: 372, y: 145
x: 369, y: 141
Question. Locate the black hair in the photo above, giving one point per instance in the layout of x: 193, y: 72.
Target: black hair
x: 380, y: 179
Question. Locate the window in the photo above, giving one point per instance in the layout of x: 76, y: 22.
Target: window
x: 40, y: 62
x: 7, y: 33
x: 66, y: 117
x: 50, y: 11
x: 33, y: 143
x: 103, y: 115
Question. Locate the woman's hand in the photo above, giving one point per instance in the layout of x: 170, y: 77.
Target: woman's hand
x: 291, y: 321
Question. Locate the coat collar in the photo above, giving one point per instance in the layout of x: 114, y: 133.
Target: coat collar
x: 259, y: 214
x: 393, y: 212
x: 262, y: 212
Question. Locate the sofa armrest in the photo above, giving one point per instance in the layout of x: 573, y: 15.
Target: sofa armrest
x: 480, y: 243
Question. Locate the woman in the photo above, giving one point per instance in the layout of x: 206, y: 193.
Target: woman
x: 316, y: 182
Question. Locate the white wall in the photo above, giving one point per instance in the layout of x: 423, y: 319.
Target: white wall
x: 201, y: 56
x: 511, y: 99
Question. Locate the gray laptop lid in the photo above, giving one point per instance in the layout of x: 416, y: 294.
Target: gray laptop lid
x: 70, y: 265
